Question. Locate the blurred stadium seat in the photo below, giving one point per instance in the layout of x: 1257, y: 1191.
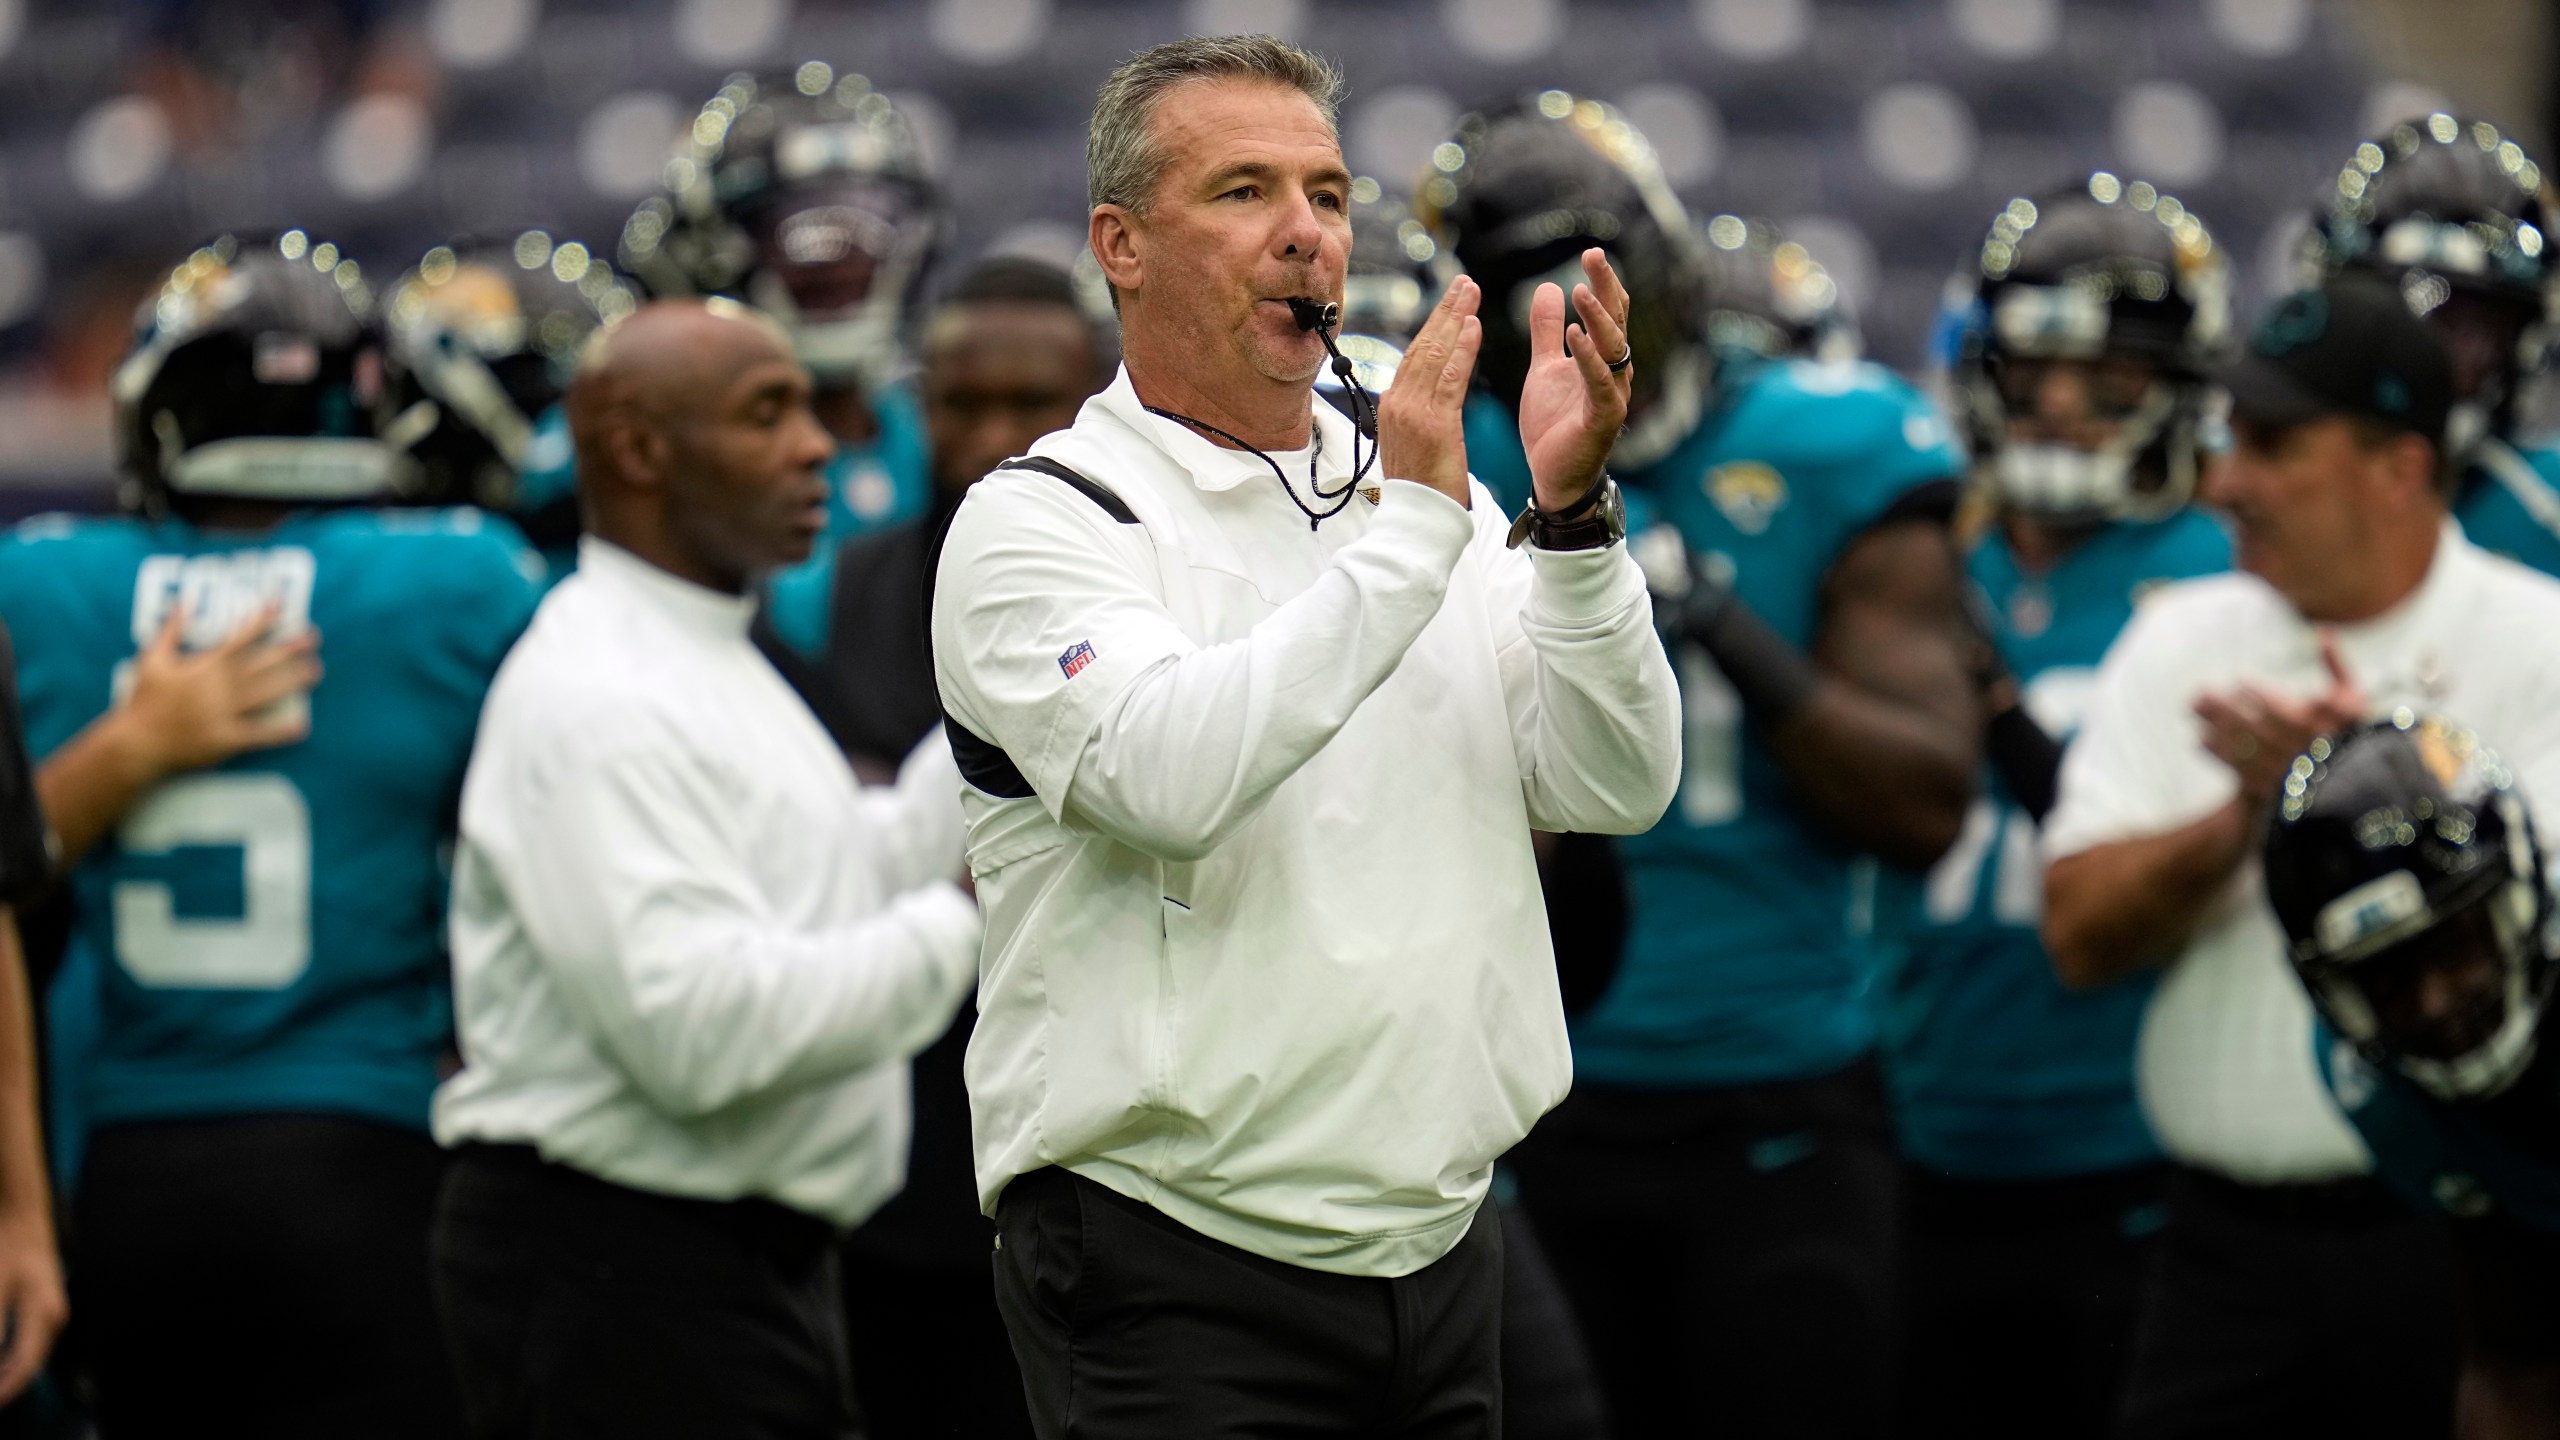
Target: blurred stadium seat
x: 1893, y: 126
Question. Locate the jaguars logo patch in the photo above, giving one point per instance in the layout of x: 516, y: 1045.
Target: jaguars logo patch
x: 1749, y: 493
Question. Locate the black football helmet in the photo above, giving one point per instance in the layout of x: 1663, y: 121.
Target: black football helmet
x: 1768, y: 298
x: 484, y: 334
x: 2108, y: 270
x: 256, y: 374
x: 1396, y: 273
x: 2393, y: 843
x: 2464, y: 222
x: 1520, y: 192
x: 806, y: 194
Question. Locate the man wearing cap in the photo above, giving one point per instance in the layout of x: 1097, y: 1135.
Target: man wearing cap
x: 2293, y: 1295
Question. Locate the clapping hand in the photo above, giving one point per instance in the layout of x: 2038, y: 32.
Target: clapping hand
x: 2258, y: 734
x: 1422, y: 417
x: 1573, y: 403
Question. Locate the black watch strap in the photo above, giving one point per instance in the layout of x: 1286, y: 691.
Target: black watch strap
x: 1596, y: 520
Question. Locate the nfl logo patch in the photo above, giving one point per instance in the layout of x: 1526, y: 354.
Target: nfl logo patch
x: 1078, y: 656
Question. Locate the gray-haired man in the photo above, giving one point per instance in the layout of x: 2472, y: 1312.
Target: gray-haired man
x: 1254, y: 743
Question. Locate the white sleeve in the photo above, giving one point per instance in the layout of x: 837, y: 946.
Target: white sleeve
x: 627, y: 876
x: 1050, y: 641
x: 923, y: 834
x: 2138, y: 766
x: 1595, y: 710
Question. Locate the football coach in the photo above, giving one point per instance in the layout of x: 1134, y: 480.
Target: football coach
x: 1254, y: 743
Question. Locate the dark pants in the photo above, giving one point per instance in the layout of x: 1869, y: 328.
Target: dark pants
x: 578, y: 1308
x: 2020, y: 1298
x: 1549, y: 1390
x: 2276, y: 1311
x: 260, y: 1276
x: 1732, y: 1254
x: 931, y: 1360
x: 1129, y: 1324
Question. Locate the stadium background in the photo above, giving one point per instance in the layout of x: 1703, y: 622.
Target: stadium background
x: 1881, y: 133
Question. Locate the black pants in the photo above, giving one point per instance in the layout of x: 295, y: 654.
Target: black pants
x: 2019, y: 1298
x: 1129, y: 1324
x: 579, y: 1308
x: 260, y: 1276
x: 2277, y: 1311
x: 1549, y: 1390
x: 931, y: 1360
x: 1732, y: 1254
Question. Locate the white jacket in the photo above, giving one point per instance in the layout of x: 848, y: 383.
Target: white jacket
x: 1265, y: 947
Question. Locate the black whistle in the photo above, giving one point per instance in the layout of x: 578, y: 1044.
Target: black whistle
x: 1313, y: 316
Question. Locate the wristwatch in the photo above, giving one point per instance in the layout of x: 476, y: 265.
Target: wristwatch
x: 1598, y: 519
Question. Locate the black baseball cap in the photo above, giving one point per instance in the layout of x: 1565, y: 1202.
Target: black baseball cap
x: 2351, y: 347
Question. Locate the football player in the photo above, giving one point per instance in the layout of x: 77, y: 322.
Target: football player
x: 1719, y: 1190
x: 2464, y: 221
x: 485, y: 333
x: 2417, y: 900
x: 805, y: 194
x: 2079, y: 344
x: 259, y: 885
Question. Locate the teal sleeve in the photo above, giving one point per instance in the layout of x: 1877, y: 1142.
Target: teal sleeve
x: 1895, y: 442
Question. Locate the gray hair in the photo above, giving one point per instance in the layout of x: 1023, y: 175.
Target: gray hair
x: 1122, y: 161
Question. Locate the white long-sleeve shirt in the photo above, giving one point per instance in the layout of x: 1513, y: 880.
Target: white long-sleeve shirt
x: 691, y: 953
x: 1265, y: 944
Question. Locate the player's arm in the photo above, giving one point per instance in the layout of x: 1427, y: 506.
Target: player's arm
x: 1878, y: 729
x: 2505, y: 1278
x: 183, y: 713
x: 2026, y: 757
x: 32, y: 1304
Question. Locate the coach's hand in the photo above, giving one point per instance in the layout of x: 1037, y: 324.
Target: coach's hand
x: 1572, y: 403
x: 2258, y: 733
x: 1422, y: 434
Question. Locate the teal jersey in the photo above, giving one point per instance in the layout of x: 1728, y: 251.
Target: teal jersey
x: 1997, y: 1071
x: 2511, y: 506
x: 885, y: 479
x: 1750, y: 945
x: 2463, y: 1160
x: 268, y: 934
